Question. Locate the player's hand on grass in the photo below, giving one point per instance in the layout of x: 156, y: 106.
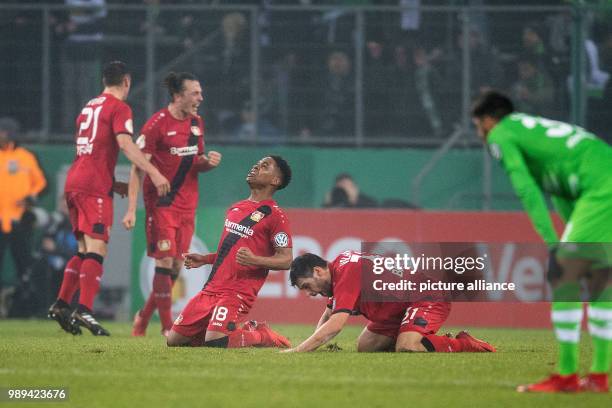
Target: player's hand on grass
x: 195, y: 260
x: 245, y: 257
x: 161, y: 183
x: 121, y: 188
x: 129, y: 220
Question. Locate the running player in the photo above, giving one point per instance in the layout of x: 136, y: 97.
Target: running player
x: 103, y: 127
x: 399, y: 326
x: 173, y: 140
x: 256, y: 238
x: 575, y: 168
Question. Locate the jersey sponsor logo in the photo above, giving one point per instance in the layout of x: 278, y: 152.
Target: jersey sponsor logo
x: 238, y: 229
x: 281, y: 240
x: 184, y: 151
x: 495, y: 151
x: 195, y: 130
x: 141, y: 142
x: 164, y: 245
x: 257, y: 216
x: 129, y: 126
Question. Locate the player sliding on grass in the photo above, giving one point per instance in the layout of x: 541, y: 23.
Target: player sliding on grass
x: 256, y: 237
x: 575, y: 168
x: 399, y: 326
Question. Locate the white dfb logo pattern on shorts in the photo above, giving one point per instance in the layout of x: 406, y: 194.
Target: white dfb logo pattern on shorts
x: 281, y: 240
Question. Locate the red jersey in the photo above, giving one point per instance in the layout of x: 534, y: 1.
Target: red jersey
x: 260, y: 226
x: 173, y: 145
x: 98, y: 125
x: 346, y: 288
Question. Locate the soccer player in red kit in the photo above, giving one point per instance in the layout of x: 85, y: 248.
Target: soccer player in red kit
x: 399, y: 326
x: 104, y: 126
x: 256, y: 238
x: 173, y: 140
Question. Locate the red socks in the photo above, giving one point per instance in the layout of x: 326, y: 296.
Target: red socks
x: 442, y: 344
x: 89, y: 278
x: 162, y: 291
x: 70, y: 282
x: 160, y: 298
x: 244, y: 338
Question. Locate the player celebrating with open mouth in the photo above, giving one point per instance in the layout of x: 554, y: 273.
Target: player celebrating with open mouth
x: 255, y: 239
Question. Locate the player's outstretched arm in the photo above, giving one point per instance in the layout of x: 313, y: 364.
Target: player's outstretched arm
x: 136, y: 175
x: 281, y: 260
x: 208, y: 162
x: 323, y: 334
x: 196, y: 260
x: 133, y: 153
x: 324, y: 317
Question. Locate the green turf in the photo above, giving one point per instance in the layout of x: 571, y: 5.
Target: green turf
x: 142, y: 372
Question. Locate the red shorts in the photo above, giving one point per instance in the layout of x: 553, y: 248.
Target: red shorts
x: 422, y: 317
x: 169, y: 232
x: 204, y: 312
x: 90, y: 215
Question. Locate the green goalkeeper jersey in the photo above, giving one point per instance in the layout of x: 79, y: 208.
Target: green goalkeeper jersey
x: 542, y: 155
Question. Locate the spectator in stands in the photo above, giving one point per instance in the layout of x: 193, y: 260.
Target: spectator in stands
x: 376, y: 86
x: 82, y: 33
x: 346, y: 194
x: 534, y: 47
x: 226, y: 70
x: 533, y: 92
x: 485, y: 71
x: 337, y: 106
x: 22, y: 180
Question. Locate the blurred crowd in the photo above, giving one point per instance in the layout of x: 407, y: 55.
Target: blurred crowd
x: 413, y: 64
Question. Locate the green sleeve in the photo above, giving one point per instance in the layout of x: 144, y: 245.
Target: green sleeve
x: 564, y: 207
x: 528, y: 191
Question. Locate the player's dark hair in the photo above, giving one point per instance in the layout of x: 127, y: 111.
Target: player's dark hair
x: 302, y: 266
x: 285, y: 170
x: 113, y: 73
x: 175, y: 82
x: 494, y: 104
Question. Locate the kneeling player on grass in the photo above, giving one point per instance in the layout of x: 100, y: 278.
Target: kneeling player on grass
x: 399, y: 326
x: 255, y: 239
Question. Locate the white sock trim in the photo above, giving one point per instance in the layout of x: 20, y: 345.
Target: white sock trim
x: 568, y: 335
x: 567, y: 316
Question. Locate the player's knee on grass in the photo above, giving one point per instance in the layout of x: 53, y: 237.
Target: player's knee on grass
x: 175, y: 339
x: 369, y: 342
x: 409, y: 342
x: 215, y: 339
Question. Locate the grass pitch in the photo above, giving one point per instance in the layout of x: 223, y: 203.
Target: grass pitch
x: 121, y: 371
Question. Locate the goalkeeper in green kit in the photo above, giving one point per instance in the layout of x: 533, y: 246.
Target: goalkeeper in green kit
x: 575, y: 168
